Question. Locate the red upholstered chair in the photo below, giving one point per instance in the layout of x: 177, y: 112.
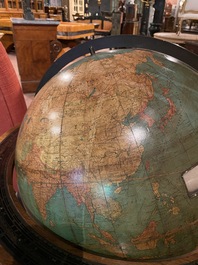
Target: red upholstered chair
x: 12, y: 102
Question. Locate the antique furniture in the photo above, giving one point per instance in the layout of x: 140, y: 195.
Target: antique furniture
x: 105, y: 26
x: 73, y: 30
x: 187, y: 12
x: 175, y: 38
x: 36, y: 48
x: 72, y: 33
x: 131, y: 24
x: 13, y: 8
x: 6, y: 30
x: 186, y: 40
x: 102, y: 24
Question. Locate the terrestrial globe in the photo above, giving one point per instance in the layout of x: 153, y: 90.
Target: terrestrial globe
x: 102, y: 150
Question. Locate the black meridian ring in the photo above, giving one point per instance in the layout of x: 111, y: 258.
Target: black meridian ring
x: 120, y: 41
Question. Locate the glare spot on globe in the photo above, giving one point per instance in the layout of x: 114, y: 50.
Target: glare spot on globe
x: 140, y: 134
x: 66, y: 77
x: 53, y: 115
x: 56, y: 130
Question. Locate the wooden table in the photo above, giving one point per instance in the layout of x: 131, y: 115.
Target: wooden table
x: 74, y: 30
x: 173, y: 37
x: 72, y: 33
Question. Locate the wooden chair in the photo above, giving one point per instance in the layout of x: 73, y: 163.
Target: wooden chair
x: 6, y: 29
x: 188, y: 11
x: 104, y: 28
x: 98, y: 22
x: 12, y: 102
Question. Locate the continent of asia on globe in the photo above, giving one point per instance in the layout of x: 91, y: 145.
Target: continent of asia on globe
x: 101, y: 153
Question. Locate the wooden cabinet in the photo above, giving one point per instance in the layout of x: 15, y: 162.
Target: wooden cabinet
x: 36, y: 48
x: 13, y: 8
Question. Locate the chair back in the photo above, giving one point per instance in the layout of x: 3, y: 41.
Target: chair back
x: 190, y: 6
x: 12, y: 102
x: 187, y: 10
x: 107, y: 25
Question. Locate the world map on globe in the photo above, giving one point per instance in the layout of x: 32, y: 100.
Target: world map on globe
x: 102, y: 149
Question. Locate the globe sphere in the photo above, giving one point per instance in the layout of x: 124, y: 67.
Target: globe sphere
x: 101, y: 152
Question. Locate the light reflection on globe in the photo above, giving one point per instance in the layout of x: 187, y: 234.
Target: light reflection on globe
x: 101, y: 152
